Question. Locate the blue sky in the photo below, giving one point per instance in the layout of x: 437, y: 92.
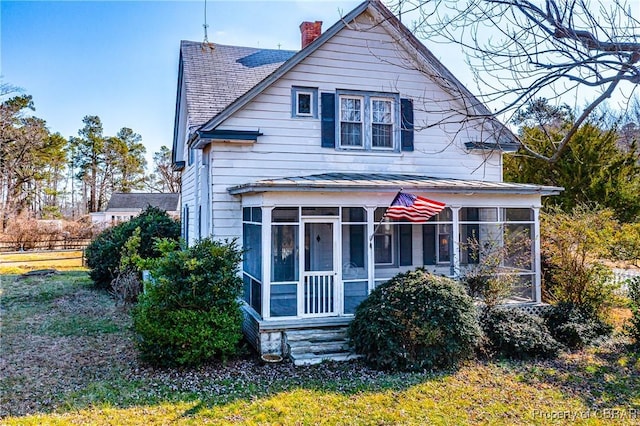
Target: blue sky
x: 119, y: 59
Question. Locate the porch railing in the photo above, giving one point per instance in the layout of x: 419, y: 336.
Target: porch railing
x: 319, y: 292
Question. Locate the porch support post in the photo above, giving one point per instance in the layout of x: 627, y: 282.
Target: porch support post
x: 266, y: 261
x: 537, y: 277
x: 371, y: 267
x: 456, y: 242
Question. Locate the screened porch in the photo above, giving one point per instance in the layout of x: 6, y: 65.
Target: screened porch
x: 314, y: 261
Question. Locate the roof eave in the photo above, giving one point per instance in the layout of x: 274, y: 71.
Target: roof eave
x: 257, y: 187
x: 490, y: 146
x: 176, y: 120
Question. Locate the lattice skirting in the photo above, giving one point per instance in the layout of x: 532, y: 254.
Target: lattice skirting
x: 538, y: 309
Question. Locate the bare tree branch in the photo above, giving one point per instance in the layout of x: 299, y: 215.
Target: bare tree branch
x: 522, y: 50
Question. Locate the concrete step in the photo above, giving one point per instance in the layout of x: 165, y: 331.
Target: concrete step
x: 317, y: 335
x: 319, y: 348
x: 311, y: 359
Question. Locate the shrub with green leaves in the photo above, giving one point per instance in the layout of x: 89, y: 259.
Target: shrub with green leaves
x: 104, y: 252
x: 570, y: 243
x: 190, y: 312
x: 513, y: 333
x: 415, y: 321
x: 575, y: 326
x: 633, y: 327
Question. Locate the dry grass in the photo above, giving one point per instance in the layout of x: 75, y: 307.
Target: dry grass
x: 68, y: 357
x: 18, y: 263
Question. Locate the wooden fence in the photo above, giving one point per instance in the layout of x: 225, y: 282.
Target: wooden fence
x: 44, y: 244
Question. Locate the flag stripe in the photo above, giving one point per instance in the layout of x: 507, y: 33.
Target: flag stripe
x: 413, y: 208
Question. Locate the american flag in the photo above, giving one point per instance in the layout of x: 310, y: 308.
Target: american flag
x: 413, y: 208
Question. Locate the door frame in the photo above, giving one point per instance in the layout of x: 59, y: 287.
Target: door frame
x: 337, y: 270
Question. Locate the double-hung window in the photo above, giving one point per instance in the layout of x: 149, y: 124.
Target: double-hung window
x: 381, y: 123
x: 351, y: 115
x: 368, y: 121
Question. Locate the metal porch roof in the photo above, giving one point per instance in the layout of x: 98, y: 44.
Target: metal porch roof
x: 370, y: 182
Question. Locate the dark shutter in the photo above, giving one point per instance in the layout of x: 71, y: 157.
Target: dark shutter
x: 328, y: 128
x: 406, y: 132
x: 406, y: 246
x: 429, y: 244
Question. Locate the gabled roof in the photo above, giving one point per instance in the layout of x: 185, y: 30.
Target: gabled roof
x: 390, y: 183
x: 219, y: 82
x: 139, y: 201
x: 215, y: 75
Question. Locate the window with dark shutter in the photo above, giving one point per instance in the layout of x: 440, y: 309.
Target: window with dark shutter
x: 406, y: 131
x: 328, y: 123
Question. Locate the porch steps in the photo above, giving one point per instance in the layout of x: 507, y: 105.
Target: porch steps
x: 312, y: 346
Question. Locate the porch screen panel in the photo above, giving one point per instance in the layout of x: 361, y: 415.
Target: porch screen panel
x: 252, y: 293
x: 354, y: 251
x: 520, y: 253
x: 252, y: 241
x: 429, y: 244
x: 252, y: 256
x: 523, y: 289
x: 284, y: 253
x: 252, y: 246
x: 354, y: 293
x: 479, y: 228
x: 406, y: 244
x: 284, y: 300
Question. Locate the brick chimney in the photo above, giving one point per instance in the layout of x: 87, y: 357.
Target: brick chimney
x: 310, y: 31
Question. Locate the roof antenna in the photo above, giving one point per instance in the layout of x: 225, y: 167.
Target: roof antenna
x: 205, y: 42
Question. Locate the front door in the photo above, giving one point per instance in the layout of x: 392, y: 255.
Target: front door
x: 320, y: 283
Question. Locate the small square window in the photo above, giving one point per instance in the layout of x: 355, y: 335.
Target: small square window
x: 304, y: 102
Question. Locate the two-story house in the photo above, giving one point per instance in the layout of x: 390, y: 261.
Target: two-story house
x: 298, y: 154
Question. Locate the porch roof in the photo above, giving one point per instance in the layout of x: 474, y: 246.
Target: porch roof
x: 382, y: 182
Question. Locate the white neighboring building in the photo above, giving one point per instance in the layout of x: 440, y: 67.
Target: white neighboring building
x: 297, y: 154
x: 125, y: 206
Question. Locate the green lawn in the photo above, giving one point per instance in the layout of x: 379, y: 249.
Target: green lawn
x: 68, y: 357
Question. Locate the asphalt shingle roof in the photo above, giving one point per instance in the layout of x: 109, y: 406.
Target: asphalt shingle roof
x: 215, y: 75
x: 167, y: 201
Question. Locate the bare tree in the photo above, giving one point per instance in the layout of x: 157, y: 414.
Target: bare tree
x: 523, y: 50
x: 164, y: 178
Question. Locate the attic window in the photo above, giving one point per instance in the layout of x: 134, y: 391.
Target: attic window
x: 304, y: 101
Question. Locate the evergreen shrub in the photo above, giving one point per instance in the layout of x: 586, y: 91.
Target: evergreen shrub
x: 575, y: 326
x: 415, y: 321
x: 190, y: 311
x: 512, y: 333
x: 104, y: 252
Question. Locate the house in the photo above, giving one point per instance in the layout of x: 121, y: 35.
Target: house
x: 298, y: 154
x: 125, y: 206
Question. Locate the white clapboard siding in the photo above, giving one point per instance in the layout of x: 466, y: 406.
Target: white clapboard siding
x: 188, y: 197
x: 351, y: 60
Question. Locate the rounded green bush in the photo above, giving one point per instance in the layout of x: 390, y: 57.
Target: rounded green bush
x: 512, y: 333
x: 190, y: 312
x: 415, y: 321
x: 104, y: 252
x: 575, y: 326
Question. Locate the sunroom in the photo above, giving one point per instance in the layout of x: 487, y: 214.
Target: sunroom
x: 315, y: 246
